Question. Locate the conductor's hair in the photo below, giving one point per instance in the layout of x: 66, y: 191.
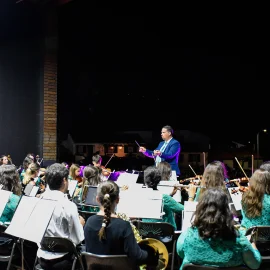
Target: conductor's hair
x: 169, y: 128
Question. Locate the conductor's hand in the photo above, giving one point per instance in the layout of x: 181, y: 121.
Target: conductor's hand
x: 82, y: 220
x: 142, y: 149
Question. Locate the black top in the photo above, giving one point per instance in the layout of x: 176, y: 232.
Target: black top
x: 120, y: 239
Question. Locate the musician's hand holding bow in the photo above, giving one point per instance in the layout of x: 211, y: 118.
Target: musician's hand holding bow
x: 157, y: 153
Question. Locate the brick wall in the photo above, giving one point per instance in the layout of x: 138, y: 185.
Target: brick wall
x: 50, y: 107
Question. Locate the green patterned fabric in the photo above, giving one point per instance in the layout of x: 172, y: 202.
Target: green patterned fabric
x: 216, y: 252
x: 10, y: 208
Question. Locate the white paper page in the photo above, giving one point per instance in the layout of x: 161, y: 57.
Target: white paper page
x: 140, y: 209
x: 127, y: 179
x: 31, y: 218
x: 189, y: 209
x: 173, y: 176
x: 34, y: 191
x: 4, y: 197
x: 72, y: 186
x: 236, y: 198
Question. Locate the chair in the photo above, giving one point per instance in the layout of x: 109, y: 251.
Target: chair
x: 92, y: 261
x: 8, y: 248
x: 261, y: 237
x: 204, y: 267
x: 161, y: 231
x: 59, y: 244
x: 86, y: 214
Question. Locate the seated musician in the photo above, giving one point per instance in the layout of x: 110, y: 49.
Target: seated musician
x: 214, y: 176
x: 26, y: 162
x: 97, y: 160
x: 152, y: 177
x: 74, y: 174
x: 3, y: 160
x: 212, y: 239
x: 107, y: 234
x: 65, y: 221
x: 256, y: 200
x: 9, y: 179
x: 91, y: 177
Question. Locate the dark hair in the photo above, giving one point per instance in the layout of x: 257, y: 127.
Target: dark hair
x: 91, y: 175
x: 96, y: 158
x: 266, y: 166
x: 165, y: 170
x: 169, y: 129
x: 108, y: 193
x: 9, y: 178
x: 252, y: 200
x: 2, y: 158
x: 26, y: 162
x: 152, y: 177
x: 55, y: 174
x: 213, y: 218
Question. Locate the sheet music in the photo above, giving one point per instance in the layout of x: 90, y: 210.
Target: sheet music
x: 71, y: 187
x: 34, y: 191
x: 236, y: 198
x: 189, y: 209
x: 31, y: 218
x: 148, y: 203
x: 127, y: 179
x: 4, y: 197
x: 173, y: 176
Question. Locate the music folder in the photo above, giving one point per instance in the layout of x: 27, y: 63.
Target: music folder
x: 187, y: 214
x: 72, y: 187
x: 91, y: 193
x: 31, y: 218
x: 4, y: 197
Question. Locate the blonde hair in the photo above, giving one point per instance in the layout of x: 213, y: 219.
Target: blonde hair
x: 32, y: 169
x: 73, y: 168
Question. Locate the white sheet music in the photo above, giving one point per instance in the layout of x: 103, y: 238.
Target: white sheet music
x: 34, y: 191
x: 173, y: 176
x: 189, y: 209
x: 72, y: 186
x: 4, y: 197
x: 127, y: 179
x: 31, y: 218
x: 236, y: 198
x: 148, y: 204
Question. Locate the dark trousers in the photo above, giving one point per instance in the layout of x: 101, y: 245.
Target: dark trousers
x: 63, y: 263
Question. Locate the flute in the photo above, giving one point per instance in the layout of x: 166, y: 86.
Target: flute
x: 180, y: 186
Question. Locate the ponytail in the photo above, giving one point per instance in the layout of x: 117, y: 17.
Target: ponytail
x: 107, y: 216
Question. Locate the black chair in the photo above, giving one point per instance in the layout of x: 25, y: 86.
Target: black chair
x: 86, y: 214
x: 59, y: 244
x: 106, y: 262
x: 261, y: 237
x: 204, y: 267
x: 7, y: 247
x: 161, y: 231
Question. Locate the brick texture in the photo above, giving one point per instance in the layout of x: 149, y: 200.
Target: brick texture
x: 50, y: 107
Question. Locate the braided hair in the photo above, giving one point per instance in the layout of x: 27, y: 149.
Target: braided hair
x: 108, y: 193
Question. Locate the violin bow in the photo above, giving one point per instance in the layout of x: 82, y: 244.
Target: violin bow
x: 192, y: 169
x: 204, y: 160
x: 252, y: 164
x: 241, y: 168
x: 109, y: 161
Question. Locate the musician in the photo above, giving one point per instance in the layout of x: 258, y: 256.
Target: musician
x: 106, y: 234
x: 212, y: 239
x: 74, y: 173
x: 256, y: 200
x: 3, y: 160
x: 152, y: 177
x: 97, y: 161
x: 26, y: 162
x: 168, y: 150
x: 31, y: 175
x: 214, y: 176
x: 65, y: 221
x: 9, y: 178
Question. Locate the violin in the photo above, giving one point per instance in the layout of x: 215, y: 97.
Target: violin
x: 242, y: 189
x: 194, y: 179
x: 106, y: 171
x: 243, y: 180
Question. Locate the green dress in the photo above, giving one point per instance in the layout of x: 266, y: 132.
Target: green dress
x: 170, y: 207
x: 216, y: 252
x: 263, y: 219
x: 10, y: 208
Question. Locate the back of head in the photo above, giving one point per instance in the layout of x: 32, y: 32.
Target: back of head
x: 165, y: 170
x: 91, y: 175
x: 32, y: 169
x: 152, y: 177
x: 55, y: 174
x: 213, y: 217
x: 259, y: 185
x: 108, y: 194
x: 266, y: 166
x: 9, y: 178
x: 96, y: 158
x: 26, y: 162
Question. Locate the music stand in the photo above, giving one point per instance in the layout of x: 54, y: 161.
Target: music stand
x: 72, y: 187
x: 4, y: 197
x: 31, y: 190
